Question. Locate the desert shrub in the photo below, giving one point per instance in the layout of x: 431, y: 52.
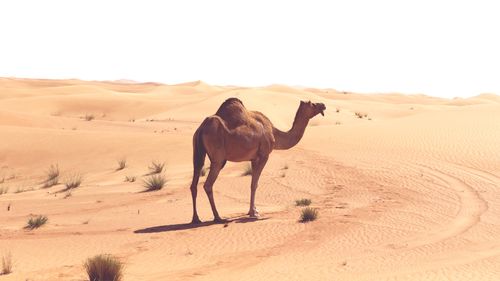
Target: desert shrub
x: 36, y: 222
x: 303, y: 202
x: 308, y: 214
x: 73, y: 181
x: 248, y: 170
x: 156, y: 167
x: 104, y: 268
x: 122, y: 163
x: 154, y: 182
x: 6, y: 264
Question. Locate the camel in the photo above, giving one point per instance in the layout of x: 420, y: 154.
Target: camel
x: 236, y: 134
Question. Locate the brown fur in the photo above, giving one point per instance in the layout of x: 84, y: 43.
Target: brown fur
x: 236, y: 134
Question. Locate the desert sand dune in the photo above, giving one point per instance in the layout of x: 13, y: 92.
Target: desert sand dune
x: 409, y: 191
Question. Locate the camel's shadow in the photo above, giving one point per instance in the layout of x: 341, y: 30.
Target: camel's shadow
x: 184, y: 226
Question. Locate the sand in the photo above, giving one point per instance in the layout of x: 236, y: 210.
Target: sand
x: 409, y: 192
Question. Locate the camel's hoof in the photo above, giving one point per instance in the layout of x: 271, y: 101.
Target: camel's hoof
x: 196, y: 221
x: 254, y: 214
x: 219, y: 220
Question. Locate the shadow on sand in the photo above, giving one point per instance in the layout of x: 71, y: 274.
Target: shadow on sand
x: 184, y: 226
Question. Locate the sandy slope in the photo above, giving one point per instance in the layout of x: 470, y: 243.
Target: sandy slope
x: 408, y: 193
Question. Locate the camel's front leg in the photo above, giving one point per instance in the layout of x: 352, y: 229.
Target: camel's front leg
x: 208, y: 186
x: 257, y: 167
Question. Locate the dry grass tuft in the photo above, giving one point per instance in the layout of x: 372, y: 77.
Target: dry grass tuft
x: 36, y: 222
x: 154, y: 182
x: 68, y: 194
x: 303, y: 202
x: 52, y: 176
x: 156, y: 167
x: 6, y: 264
x: 308, y: 214
x: 122, y: 163
x: 130, y: 178
x: 73, y: 181
x: 89, y: 117
x: 104, y: 268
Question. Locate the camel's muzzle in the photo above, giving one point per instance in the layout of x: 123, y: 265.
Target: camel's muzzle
x: 322, y: 108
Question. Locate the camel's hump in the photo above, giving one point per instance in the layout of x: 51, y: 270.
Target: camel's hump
x: 233, y: 112
x: 231, y: 101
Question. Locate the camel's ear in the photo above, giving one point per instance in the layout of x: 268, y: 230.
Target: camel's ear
x: 302, y: 102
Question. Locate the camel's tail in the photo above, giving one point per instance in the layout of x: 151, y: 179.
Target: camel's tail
x: 199, y: 151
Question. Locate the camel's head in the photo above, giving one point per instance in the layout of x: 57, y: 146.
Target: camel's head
x: 310, y: 109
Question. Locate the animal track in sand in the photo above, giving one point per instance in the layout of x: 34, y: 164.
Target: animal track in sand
x: 472, y: 206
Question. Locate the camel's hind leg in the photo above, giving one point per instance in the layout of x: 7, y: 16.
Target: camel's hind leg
x: 194, y: 191
x: 257, y: 167
x: 212, y: 176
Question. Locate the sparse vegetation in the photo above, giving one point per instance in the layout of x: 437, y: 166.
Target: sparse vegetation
x: 36, y: 222
x: 337, y: 110
x: 6, y: 264
x: 303, y: 202
x: 360, y: 115
x: 52, y: 176
x: 73, y: 181
x: 247, y: 171
x: 104, y: 268
x: 89, y: 117
x: 4, y: 189
x: 286, y: 167
x: 155, y: 182
x: 68, y: 194
x: 122, y: 163
x: 308, y: 214
x: 156, y: 167
x: 130, y: 178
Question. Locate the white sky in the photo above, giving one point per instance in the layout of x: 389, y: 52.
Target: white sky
x: 440, y: 48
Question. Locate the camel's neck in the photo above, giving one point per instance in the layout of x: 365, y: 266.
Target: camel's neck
x: 287, y: 140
